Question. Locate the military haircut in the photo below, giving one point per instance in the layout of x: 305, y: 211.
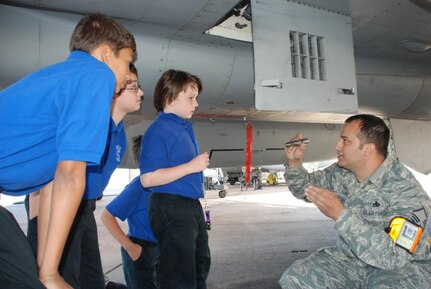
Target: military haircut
x: 170, y: 84
x: 372, y: 130
x: 96, y: 29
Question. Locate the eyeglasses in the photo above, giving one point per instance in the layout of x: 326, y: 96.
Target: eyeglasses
x: 134, y: 88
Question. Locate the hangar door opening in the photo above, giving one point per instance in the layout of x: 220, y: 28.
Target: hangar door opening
x: 303, y: 58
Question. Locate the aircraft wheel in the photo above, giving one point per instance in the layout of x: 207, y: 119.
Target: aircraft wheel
x: 222, y: 194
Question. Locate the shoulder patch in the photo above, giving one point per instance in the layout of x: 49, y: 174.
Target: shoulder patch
x: 419, y: 217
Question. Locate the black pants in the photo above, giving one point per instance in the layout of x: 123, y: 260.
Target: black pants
x: 141, y: 273
x: 81, y: 264
x: 18, y: 267
x: 179, y: 226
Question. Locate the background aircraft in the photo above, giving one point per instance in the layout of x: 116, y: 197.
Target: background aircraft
x: 244, y: 52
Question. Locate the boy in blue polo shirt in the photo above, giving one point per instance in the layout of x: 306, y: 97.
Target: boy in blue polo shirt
x: 139, y: 247
x: 81, y: 265
x: 171, y: 167
x: 53, y: 122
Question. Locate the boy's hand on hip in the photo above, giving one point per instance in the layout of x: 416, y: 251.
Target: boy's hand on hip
x: 134, y: 252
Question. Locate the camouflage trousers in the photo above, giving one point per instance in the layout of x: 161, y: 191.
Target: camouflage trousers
x: 329, y: 268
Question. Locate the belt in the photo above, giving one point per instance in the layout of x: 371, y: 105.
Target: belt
x: 166, y: 196
x: 142, y: 243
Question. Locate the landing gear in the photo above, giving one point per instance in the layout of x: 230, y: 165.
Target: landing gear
x: 255, y: 183
x: 222, y: 193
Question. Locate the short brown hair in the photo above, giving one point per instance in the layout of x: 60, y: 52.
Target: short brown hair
x: 133, y: 69
x: 136, y: 148
x: 170, y: 84
x: 96, y: 29
x: 372, y: 130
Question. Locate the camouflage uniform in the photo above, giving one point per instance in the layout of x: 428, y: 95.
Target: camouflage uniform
x: 365, y: 256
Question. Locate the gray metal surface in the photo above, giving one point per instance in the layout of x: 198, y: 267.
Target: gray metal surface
x: 309, y: 51
x: 391, y: 81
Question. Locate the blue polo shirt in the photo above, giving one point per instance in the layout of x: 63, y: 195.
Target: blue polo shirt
x: 170, y: 142
x: 58, y: 113
x: 98, y: 176
x: 132, y: 204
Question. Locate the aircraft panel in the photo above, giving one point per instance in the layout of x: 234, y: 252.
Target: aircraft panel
x: 182, y: 56
x: 392, y: 81
x: 29, y: 34
x: 421, y: 107
x: 303, y: 58
x: 225, y: 140
x: 412, y: 139
x: 376, y: 99
x: 37, y: 39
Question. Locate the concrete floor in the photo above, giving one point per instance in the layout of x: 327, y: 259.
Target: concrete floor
x: 255, y: 236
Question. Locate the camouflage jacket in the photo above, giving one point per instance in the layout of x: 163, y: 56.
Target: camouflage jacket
x: 369, y: 207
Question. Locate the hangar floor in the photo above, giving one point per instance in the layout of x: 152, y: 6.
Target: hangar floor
x: 255, y: 236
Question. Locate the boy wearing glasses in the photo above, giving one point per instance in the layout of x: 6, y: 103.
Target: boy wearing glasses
x: 53, y: 122
x: 81, y: 265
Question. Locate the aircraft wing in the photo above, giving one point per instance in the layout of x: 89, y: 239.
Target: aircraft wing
x: 213, y: 39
